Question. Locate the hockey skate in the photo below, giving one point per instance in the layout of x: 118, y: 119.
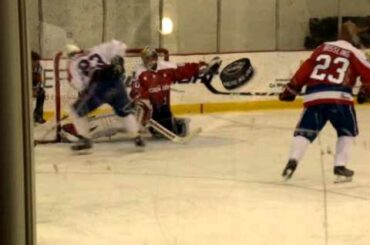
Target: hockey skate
x: 182, y: 126
x: 82, y: 144
x: 40, y: 120
x: 289, y: 169
x: 139, y: 142
x: 343, y: 174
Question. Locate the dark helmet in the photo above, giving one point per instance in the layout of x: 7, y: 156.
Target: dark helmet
x: 149, y: 56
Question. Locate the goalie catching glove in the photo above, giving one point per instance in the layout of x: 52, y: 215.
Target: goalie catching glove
x: 212, y: 67
x: 289, y: 93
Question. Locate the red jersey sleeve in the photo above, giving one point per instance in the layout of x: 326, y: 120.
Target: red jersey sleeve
x: 186, y: 71
x: 138, y: 89
x: 362, y: 67
x: 302, y: 75
x: 299, y: 79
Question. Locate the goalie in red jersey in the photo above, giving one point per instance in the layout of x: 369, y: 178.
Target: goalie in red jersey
x: 151, y: 89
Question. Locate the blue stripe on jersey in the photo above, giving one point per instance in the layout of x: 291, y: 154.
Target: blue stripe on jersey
x: 327, y: 87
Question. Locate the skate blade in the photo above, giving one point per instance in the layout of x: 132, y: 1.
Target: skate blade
x: 342, y: 179
x: 288, y: 175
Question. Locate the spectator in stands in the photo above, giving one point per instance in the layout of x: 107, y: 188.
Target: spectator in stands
x: 38, y: 90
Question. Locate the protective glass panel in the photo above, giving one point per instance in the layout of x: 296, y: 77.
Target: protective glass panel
x: 218, y: 126
x: 304, y: 24
x: 247, y: 25
x: 356, y: 17
x: 194, y: 26
x: 88, y: 23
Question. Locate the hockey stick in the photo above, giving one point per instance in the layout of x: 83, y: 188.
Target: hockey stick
x: 177, y: 90
x: 172, y: 136
x: 207, y: 75
x: 207, y: 79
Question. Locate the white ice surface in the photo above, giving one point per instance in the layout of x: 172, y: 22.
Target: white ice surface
x: 224, y: 187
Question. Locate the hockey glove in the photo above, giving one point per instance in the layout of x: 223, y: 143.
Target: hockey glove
x: 289, y: 93
x: 363, y: 96
x: 118, y: 67
x: 212, y: 67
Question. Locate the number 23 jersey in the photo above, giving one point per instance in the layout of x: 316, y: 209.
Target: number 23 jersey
x: 331, y: 72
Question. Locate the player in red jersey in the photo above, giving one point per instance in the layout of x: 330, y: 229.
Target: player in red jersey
x: 152, y: 84
x: 328, y: 77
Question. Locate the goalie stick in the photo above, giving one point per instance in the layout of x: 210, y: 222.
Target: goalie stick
x: 207, y: 75
x: 207, y: 79
x: 172, y: 136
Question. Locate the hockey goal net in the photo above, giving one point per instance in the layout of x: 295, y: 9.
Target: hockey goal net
x: 60, y: 94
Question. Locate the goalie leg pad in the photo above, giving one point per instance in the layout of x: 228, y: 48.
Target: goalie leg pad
x: 131, y: 125
x: 81, y: 123
x: 144, y: 112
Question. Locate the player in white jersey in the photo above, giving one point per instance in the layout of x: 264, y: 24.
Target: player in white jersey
x: 97, y: 74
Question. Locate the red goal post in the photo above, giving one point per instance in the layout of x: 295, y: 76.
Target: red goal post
x: 60, y: 95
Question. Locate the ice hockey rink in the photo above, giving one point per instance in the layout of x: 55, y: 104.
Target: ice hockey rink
x: 223, y: 187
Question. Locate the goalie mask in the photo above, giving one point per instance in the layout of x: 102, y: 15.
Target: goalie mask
x: 149, y: 56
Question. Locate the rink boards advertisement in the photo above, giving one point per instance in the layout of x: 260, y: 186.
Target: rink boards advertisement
x: 264, y: 75
x: 270, y: 72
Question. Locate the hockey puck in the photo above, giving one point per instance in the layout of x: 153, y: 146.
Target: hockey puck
x: 236, y: 74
